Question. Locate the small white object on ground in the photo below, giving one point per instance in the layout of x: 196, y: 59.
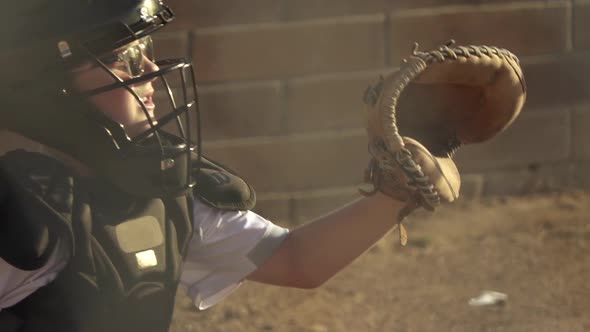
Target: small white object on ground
x: 487, y: 298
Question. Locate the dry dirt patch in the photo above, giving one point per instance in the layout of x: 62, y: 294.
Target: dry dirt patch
x: 535, y: 249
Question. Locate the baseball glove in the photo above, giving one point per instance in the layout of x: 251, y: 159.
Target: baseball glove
x: 419, y: 115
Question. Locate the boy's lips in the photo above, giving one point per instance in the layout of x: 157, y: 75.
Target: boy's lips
x: 147, y: 99
x: 146, y: 93
x: 148, y: 102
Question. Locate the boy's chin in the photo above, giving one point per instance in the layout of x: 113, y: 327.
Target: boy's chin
x: 138, y: 128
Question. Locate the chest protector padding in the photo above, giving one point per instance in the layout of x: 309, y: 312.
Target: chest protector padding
x: 126, y: 252
x: 24, y: 241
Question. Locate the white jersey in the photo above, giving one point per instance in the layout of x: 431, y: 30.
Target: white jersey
x: 225, y: 248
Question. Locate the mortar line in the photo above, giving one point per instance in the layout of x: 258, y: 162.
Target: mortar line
x: 283, y: 109
x: 190, y: 46
x: 282, y: 11
x: 570, y: 136
x: 570, y: 31
x: 294, y: 138
x: 453, y: 9
x: 387, y: 44
x: 286, y: 24
x: 311, y: 193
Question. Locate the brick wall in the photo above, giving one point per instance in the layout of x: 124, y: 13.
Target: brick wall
x: 281, y: 84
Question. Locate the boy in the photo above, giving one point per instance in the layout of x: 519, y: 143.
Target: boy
x: 121, y: 207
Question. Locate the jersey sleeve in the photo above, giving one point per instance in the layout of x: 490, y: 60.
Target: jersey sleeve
x: 225, y: 248
x: 17, y: 284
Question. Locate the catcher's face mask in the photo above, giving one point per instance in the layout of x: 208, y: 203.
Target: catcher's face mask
x: 130, y: 88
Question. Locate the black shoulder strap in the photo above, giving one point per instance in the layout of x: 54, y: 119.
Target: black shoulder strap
x: 220, y: 187
x: 35, y: 207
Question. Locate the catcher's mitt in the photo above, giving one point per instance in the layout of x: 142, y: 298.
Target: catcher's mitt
x: 419, y: 115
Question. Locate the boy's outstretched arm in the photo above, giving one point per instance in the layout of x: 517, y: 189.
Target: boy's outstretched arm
x: 316, y: 251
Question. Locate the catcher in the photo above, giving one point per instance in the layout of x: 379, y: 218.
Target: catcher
x: 119, y: 206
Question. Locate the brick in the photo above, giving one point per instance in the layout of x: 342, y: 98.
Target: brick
x: 201, y: 13
x: 297, y: 164
x: 581, y: 175
x: 533, y: 179
x: 306, y: 9
x: 233, y: 110
x: 561, y: 81
x: 581, y: 132
x: 305, y: 209
x: 581, y: 26
x: 230, y: 111
x: 289, y: 50
x: 471, y: 187
x: 525, y: 30
x: 170, y: 45
x: 329, y: 103
x: 533, y: 138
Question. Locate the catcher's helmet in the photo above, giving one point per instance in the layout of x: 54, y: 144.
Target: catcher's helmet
x: 43, y: 40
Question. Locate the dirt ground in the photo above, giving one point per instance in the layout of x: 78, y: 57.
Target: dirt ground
x: 534, y: 249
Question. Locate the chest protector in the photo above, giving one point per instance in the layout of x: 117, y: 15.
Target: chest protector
x: 126, y: 253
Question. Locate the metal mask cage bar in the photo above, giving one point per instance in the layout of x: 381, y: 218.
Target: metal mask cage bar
x: 184, y: 137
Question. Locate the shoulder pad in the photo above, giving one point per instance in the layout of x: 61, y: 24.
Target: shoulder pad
x: 221, y: 188
x: 34, y: 207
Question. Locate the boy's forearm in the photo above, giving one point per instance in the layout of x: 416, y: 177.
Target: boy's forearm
x: 328, y: 244
x: 316, y: 251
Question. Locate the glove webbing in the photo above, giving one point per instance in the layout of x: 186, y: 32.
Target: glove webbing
x: 403, y: 160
